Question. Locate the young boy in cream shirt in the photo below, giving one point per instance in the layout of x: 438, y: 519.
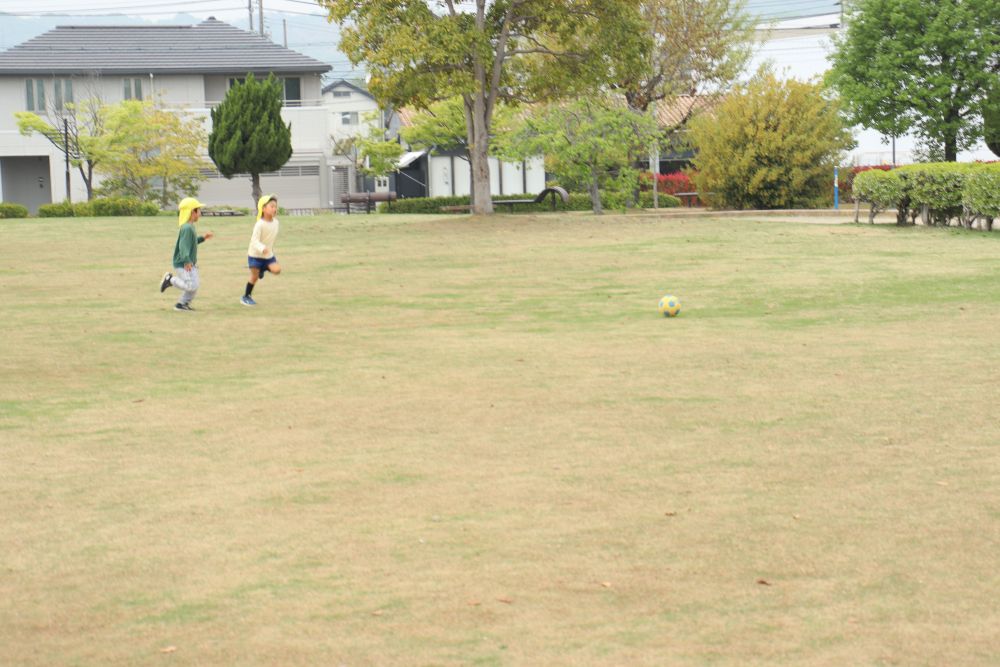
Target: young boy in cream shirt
x: 260, y: 254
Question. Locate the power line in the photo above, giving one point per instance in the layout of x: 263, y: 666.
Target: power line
x: 125, y: 9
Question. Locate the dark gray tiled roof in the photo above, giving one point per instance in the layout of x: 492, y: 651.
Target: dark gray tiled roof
x: 211, y: 47
x: 358, y: 86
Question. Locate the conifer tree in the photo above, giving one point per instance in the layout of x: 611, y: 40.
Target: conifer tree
x: 248, y: 135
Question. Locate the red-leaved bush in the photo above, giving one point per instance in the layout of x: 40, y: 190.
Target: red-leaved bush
x: 668, y: 183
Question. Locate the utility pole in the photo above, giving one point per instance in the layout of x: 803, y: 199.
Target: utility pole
x: 250, y: 12
x: 284, y: 23
x: 69, y: 195
x: 260, y: 18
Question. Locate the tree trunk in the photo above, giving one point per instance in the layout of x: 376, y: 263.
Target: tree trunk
x: 256, y: 191
x: 480, y: 166
x: 951, y: 148
x: 857, y: 210
x: 88, y: 177
x: 595, y: 193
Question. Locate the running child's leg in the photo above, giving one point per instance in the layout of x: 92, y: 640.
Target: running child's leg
x: 191, y: 286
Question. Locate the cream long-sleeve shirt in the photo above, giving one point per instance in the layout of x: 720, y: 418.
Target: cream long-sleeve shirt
x: 263, y: 237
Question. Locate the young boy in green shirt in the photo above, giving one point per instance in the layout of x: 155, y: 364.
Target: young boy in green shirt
x: 185, y: 274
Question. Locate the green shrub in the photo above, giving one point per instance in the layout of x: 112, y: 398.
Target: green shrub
x: 981, y: 194
x: 83, y: 209
x: 881, y: 189
x: 936, y: 188
x: 61, y: 210
x: 577, y: 202
x: 119, y: 206
x: 11, y: 210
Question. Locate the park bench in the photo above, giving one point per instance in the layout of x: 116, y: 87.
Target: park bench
x: 366, y: 198
x: 691, y: 198
x: 554, y: 191
x: 220, y: 212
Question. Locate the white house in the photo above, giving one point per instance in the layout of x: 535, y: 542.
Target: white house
x: 187, y: 68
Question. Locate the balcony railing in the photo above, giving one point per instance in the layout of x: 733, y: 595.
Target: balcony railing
x: 211, y: 104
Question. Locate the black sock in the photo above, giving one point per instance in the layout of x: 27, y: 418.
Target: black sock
x: 249, y: 289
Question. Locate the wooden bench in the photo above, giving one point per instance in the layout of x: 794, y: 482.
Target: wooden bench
x: 554, y: 191
x: 690, y: 197
x: 367, y: 198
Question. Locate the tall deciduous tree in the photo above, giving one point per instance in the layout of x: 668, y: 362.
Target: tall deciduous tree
x: 151, y: 154
x: 248, y: 134
x: 418, y: 52
x: 588, y: 140
x: 82, y: 134
x: 699, y: 47
x: 769, y: 144
x: 914, y: 64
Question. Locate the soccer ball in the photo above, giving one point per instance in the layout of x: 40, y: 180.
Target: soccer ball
x: 670, y: 306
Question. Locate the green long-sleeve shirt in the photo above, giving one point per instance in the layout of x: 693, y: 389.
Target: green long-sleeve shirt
x: 186, y: 248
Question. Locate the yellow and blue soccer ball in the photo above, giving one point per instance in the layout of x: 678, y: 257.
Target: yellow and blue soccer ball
x: 670, y: 306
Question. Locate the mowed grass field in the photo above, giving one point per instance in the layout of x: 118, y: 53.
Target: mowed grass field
x: 449, y: 441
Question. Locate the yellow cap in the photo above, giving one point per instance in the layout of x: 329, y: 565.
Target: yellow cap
x: 187, y: 205
x: 262, y: 202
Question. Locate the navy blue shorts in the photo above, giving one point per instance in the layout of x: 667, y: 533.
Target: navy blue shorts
x: 258, y: 263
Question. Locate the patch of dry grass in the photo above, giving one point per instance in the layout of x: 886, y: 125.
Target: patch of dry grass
x: 449, y: 441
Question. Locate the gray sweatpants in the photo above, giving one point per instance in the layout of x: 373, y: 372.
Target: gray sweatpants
x: 187, y: 281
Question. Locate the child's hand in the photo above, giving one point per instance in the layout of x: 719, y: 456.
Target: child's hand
x: 209, y: 235
x: 188, y: 266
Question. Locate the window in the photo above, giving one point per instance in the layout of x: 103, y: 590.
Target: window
x: 133, y: 89
x: 349, y: 118
x: 293, y: 91
x: 63, y: 89
x: 35, y: 95
x: 341, y: 93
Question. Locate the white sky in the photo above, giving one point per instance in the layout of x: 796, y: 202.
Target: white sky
x: 229, y: 10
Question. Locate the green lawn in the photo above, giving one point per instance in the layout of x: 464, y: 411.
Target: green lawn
x: 443, y: 441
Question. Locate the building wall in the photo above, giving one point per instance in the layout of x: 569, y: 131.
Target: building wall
x: 442, y: 179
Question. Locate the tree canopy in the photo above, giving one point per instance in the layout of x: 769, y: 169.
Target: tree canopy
x: 150, y: 153
x: 248, y: 134
x: 698, y: 47
x: 82, y: 136
x: 587, y: 141
x: 915, y: 65
x: 419, y: 52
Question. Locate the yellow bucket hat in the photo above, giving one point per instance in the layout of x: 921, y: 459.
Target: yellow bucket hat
x: 187, y: 205
x: 262, y: 202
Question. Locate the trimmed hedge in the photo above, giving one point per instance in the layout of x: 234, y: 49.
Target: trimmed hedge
x: 61, y: 210
x: 101, y: 207
x: 577, y: 202
x: 939, y: 192
x: 936, y: 189
x: 881, y: 189
x: 981, y: 194
x: 12, y: 210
